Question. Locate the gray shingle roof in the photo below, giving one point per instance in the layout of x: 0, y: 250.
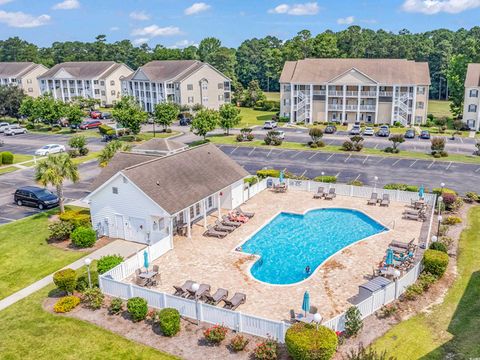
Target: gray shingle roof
x: 82, y: 69
x: 160, y: 145
x: 15, y: 69
x: 167, y: 70
x: 473, y: 75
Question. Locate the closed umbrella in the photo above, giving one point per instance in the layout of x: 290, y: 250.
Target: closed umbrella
x: 282, y: 176
x: 421, y: 192
x: 146, y: 263
x: 389, y: 259
x: 306, y: 302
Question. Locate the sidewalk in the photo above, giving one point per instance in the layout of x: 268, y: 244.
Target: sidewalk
x: 121, y: 247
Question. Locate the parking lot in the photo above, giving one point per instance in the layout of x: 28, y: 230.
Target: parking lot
x: 347, y: 166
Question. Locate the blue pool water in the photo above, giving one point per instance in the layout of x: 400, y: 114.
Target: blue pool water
x: 291, y: 242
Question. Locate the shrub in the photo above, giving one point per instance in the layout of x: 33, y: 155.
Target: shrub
x: 127, y: 138
x: 438, y: 246
x: 412, y: 291
x: 59, y: 230
x: 442, y: 230
x: 347, y: 146
x: 83, y: 151
x: 77, y: 142
x: 355, y: 183
x: 443, y: 191
x: 82, y: 277
x: 471, y: 196
x: 451, y: 202
x: 108, y: 262
x: 272, y: 138
x: 77, y: 217
x: 169, y: 321
x: 363, y: 354
x: 252, y: 180
x: 66, y: 304
x: 7, y: 158
x: 353, y: 321
x: 215, y: 334
x: 266, y: 350
x: 262, y: 174
x: 65, y: 280
x: 238, y: 343
x: 93, y: 298
x: 388, y: 310
x: 326, y: 179
x: 73, y: 153
x: 402, y: 187
x: 137, y: 308
x: 452, y: 220
x: 435, y: 262
x: 116, y: 306
x: 250, y: 137
x: 105, y: 129
x: 425, y: 280
x: 305, y: 342
x: 84, y: 237
x: 239, y: 138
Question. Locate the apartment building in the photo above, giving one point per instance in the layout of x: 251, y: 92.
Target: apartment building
x: 349, y: 90
x: 471, y: 111
x: 22, y: 74
x: 185, y: 82
x: 90, y: 79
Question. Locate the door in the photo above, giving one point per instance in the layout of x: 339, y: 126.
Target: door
x: 119, y: 226
x: 136, y: 230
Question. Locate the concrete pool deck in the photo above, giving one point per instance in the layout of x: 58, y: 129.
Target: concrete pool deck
x: 213, y: 261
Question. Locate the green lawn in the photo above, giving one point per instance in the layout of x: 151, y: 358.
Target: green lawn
x: 8, y: 169
x: 275, y: 96
x: 29, y: 332
x: 90, y: 156
x: 439, y: 108
x: 252, y: 117
x: 25, y: 256
x: 90, y: 133
x: 17, y: 158
x: 450, y: 329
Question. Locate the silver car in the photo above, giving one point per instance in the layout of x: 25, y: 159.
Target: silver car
x: 3, y: 126
x: 14, y: 130
x: 369, y: 131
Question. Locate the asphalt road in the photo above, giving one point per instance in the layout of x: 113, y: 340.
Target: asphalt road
x: 459, y: 176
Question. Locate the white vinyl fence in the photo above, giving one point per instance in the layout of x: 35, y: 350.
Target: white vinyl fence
x: 111, y: 282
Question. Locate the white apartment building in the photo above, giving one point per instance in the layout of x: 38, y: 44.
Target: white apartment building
x: 185, y: 82
x: 471, y: 111
x: 89, y: 79
x: 349, y: 90
x: 22, y: 74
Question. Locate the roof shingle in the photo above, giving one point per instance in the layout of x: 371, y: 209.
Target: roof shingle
x: 473, y: 75
x: 83, y: 69
x: 14, y: 69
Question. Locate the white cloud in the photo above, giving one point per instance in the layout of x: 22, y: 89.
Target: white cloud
x: 155, y: 30
x: 67, y: 5
x: 114, y: 28
x: 196, y: 8
x: 139, y: 15
x: 309, y: 8
x: 183, y: 44
x: 346, y: 20
x: 21, y: 20
x: 431, y: 7
x: 3, y: 2
x: 140, y: 41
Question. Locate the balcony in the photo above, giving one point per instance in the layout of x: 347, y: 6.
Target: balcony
x: 335, y: 93
x: 319, y: 92
x: 367, y: 107
x: 369, y: 93
x: 335, y: 107
x: 352, y: 93
x: 351, y: 107
x: 386, y: 93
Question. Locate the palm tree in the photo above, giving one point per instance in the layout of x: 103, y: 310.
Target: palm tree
x: 109, y: 151
x: 54, y: 170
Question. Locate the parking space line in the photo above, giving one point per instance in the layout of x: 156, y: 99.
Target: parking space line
x: 448, y: 167
x: 311, y: 157
x: 364, y: 161
x: 269, y: 152
x: 477, y: 170
x: 303, y: 173
x: 379, y: 161
x: 429, y: 166
x: 357, y: 177
x: 250, y: 153
x: 413, y: 163
x: 376, y: 146
x: 296, y: 154
x: 330, y: 157
x: 331, y: 142
x: 5, y: 218
x: 460, y: 139
x: 396, y: 162
x: 234, y: 150
x: 349, y: 156
x: 338, y: 174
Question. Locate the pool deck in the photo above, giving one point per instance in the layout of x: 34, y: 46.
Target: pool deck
x: 213, y: 261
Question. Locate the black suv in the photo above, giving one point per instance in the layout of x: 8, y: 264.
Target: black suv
x: 36, y: 197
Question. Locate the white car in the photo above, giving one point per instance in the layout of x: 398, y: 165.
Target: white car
x: 369, y: 131
x: 280, y: 134
x: 3, y: 126
x: 50, y: 149
x: 270, y: 124
x: 14, y: 130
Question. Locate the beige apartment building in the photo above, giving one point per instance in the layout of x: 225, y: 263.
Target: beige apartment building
x: 89, y: 79
x: 22, y: 74
x: 184, y: 82
x: 376, y: 91
x: 471, y: 111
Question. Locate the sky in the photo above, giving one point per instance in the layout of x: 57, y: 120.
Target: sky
x: 179, y: 23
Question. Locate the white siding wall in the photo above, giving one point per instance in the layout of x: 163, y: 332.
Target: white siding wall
x: 133, y: 205
x: 237, y: 193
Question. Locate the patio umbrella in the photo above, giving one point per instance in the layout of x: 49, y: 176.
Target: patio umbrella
x: 282, y: 176
x: 306, y: 302
x: 421, y: 192
x: 389, y: 259
x: 146, y: 263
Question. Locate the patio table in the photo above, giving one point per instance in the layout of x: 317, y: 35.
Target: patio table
x: 305, y: 319
x: 147, y: 275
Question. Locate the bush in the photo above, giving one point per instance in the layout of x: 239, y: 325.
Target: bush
x: 105, y: 129
x: 435, y: 262
x: 413, y: 291
x: 326, y: 179
x: 252, y: 180
x: 66, y: 304
x: 83, y: 151
x: 267, y: 350
x: 388, y: 310
x: 65, y: 280
x: 347, y: 146
x: 59, y: 230
x: 402, y: 187
x: 263, y: 174
x: 73, y: 153
x: 93, y: 298
x: 471, y: 196
x: 272, y: 138
x: 169, y: 321
x: 238, y: 343
x: 437, y: 245
x: 425, y: 280
x: 451, y: 220
x: 77, y: 217
x: 127, y: 138
x: 215, y: 334
x: 7, y: 158
x: 355, y: 183
x: 451, y: 201
x: 82, y: 277
x: 443, y: 191
x: 137, y: 308
x: 116, y: 306
x: 84, y: 237
x: 108, y: 262
x: 239, y: 138
x: 370, y: 354
x: 353, y: 321
x: 77, y: 142
x: 305, y: 342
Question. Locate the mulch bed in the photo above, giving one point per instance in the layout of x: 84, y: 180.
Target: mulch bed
x: 67, y: 245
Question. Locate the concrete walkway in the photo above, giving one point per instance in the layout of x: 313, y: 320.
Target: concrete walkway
x: 121, y: 247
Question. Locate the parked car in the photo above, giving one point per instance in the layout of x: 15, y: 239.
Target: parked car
x: 355, y: 130
x: 369, y: 131
x: 409, y: 134
x: 330, y: 129
x: 105, y: 115
x: 95, y: 114
x: 384, y: 131
x: 63, y: 122
x: 270, y: 124
x: 36, y: 197
x: 50, y: 149
x: 90, y: 124
x: 14, y: 130
x: 425, y: 134
x: 280, y: 134
x: 184, y: 121
x: 3, y: 126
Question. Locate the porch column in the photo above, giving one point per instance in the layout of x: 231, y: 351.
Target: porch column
x: 189, y: 230
x: 218, y: 206
x: 171, y: 232
x: 204, y: 214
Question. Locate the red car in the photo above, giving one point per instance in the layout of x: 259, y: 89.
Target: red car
x: 90, y: 124
x: 95, y: 114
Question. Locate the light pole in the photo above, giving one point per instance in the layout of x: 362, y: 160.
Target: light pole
x: 442, y: 185
x: 195, y: 287
x: 440, y: 218
x: 317, y: 318
x: 434, y: 239
x: 323, y: 174
x: 88, y: 261
x: 375, y: 179
x: 440, y: 200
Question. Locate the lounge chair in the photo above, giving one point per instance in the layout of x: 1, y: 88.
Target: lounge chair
x: 237, y: 300
x: 221, y: 227
x: 247, y: 214
x: 214, y: 233
x: 320, y: 193
x: 331, y: 194
x: 373, y: 199
x: 182, y: 291
x: 220, y: 294
x: 385, y: 200
x: 141, y: 281
x: 412, y: 211
x: 402, y: 245
x: 203, y: 288
x: 418, y: 217
x: 228, y: 222
x: 156, y: 268
x: 156, y: 279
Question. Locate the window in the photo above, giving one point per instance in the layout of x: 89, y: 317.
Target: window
x: 103, y: 92
x: 112, y: 92
x: 204, y: 85
x: 190, y: 87
x: 220, y: 86
x: 190, y: 99
x: 30, y: 89
x: 220, y: 97
x: 210, y: 201
x: 95, y: 82
x: 420, y: 105
x: 102, y: 83
x: 474, y: 93
x: 418, y: 119
x: 421, y: 90
x: 112, y: 82
x: 205, y: 99
x: 197, y: 208
x: 115, y: 190
x: 97, y: 91
x: 472, y: 108
x: 29, y: 81
x: 192, y: 213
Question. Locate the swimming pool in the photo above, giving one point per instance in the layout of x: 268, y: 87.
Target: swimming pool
x: 291, y: 242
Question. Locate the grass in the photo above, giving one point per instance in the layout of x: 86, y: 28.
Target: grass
x: 273, y: 96
x: 29, y: 332
x: 25, y: 256
x: 439, y: 108
x: 252, y: 117
x: 450, y: 329
x: 18, y: 158
x: 90, y: 156
x: 8, y: 169
x: 90, y: 133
